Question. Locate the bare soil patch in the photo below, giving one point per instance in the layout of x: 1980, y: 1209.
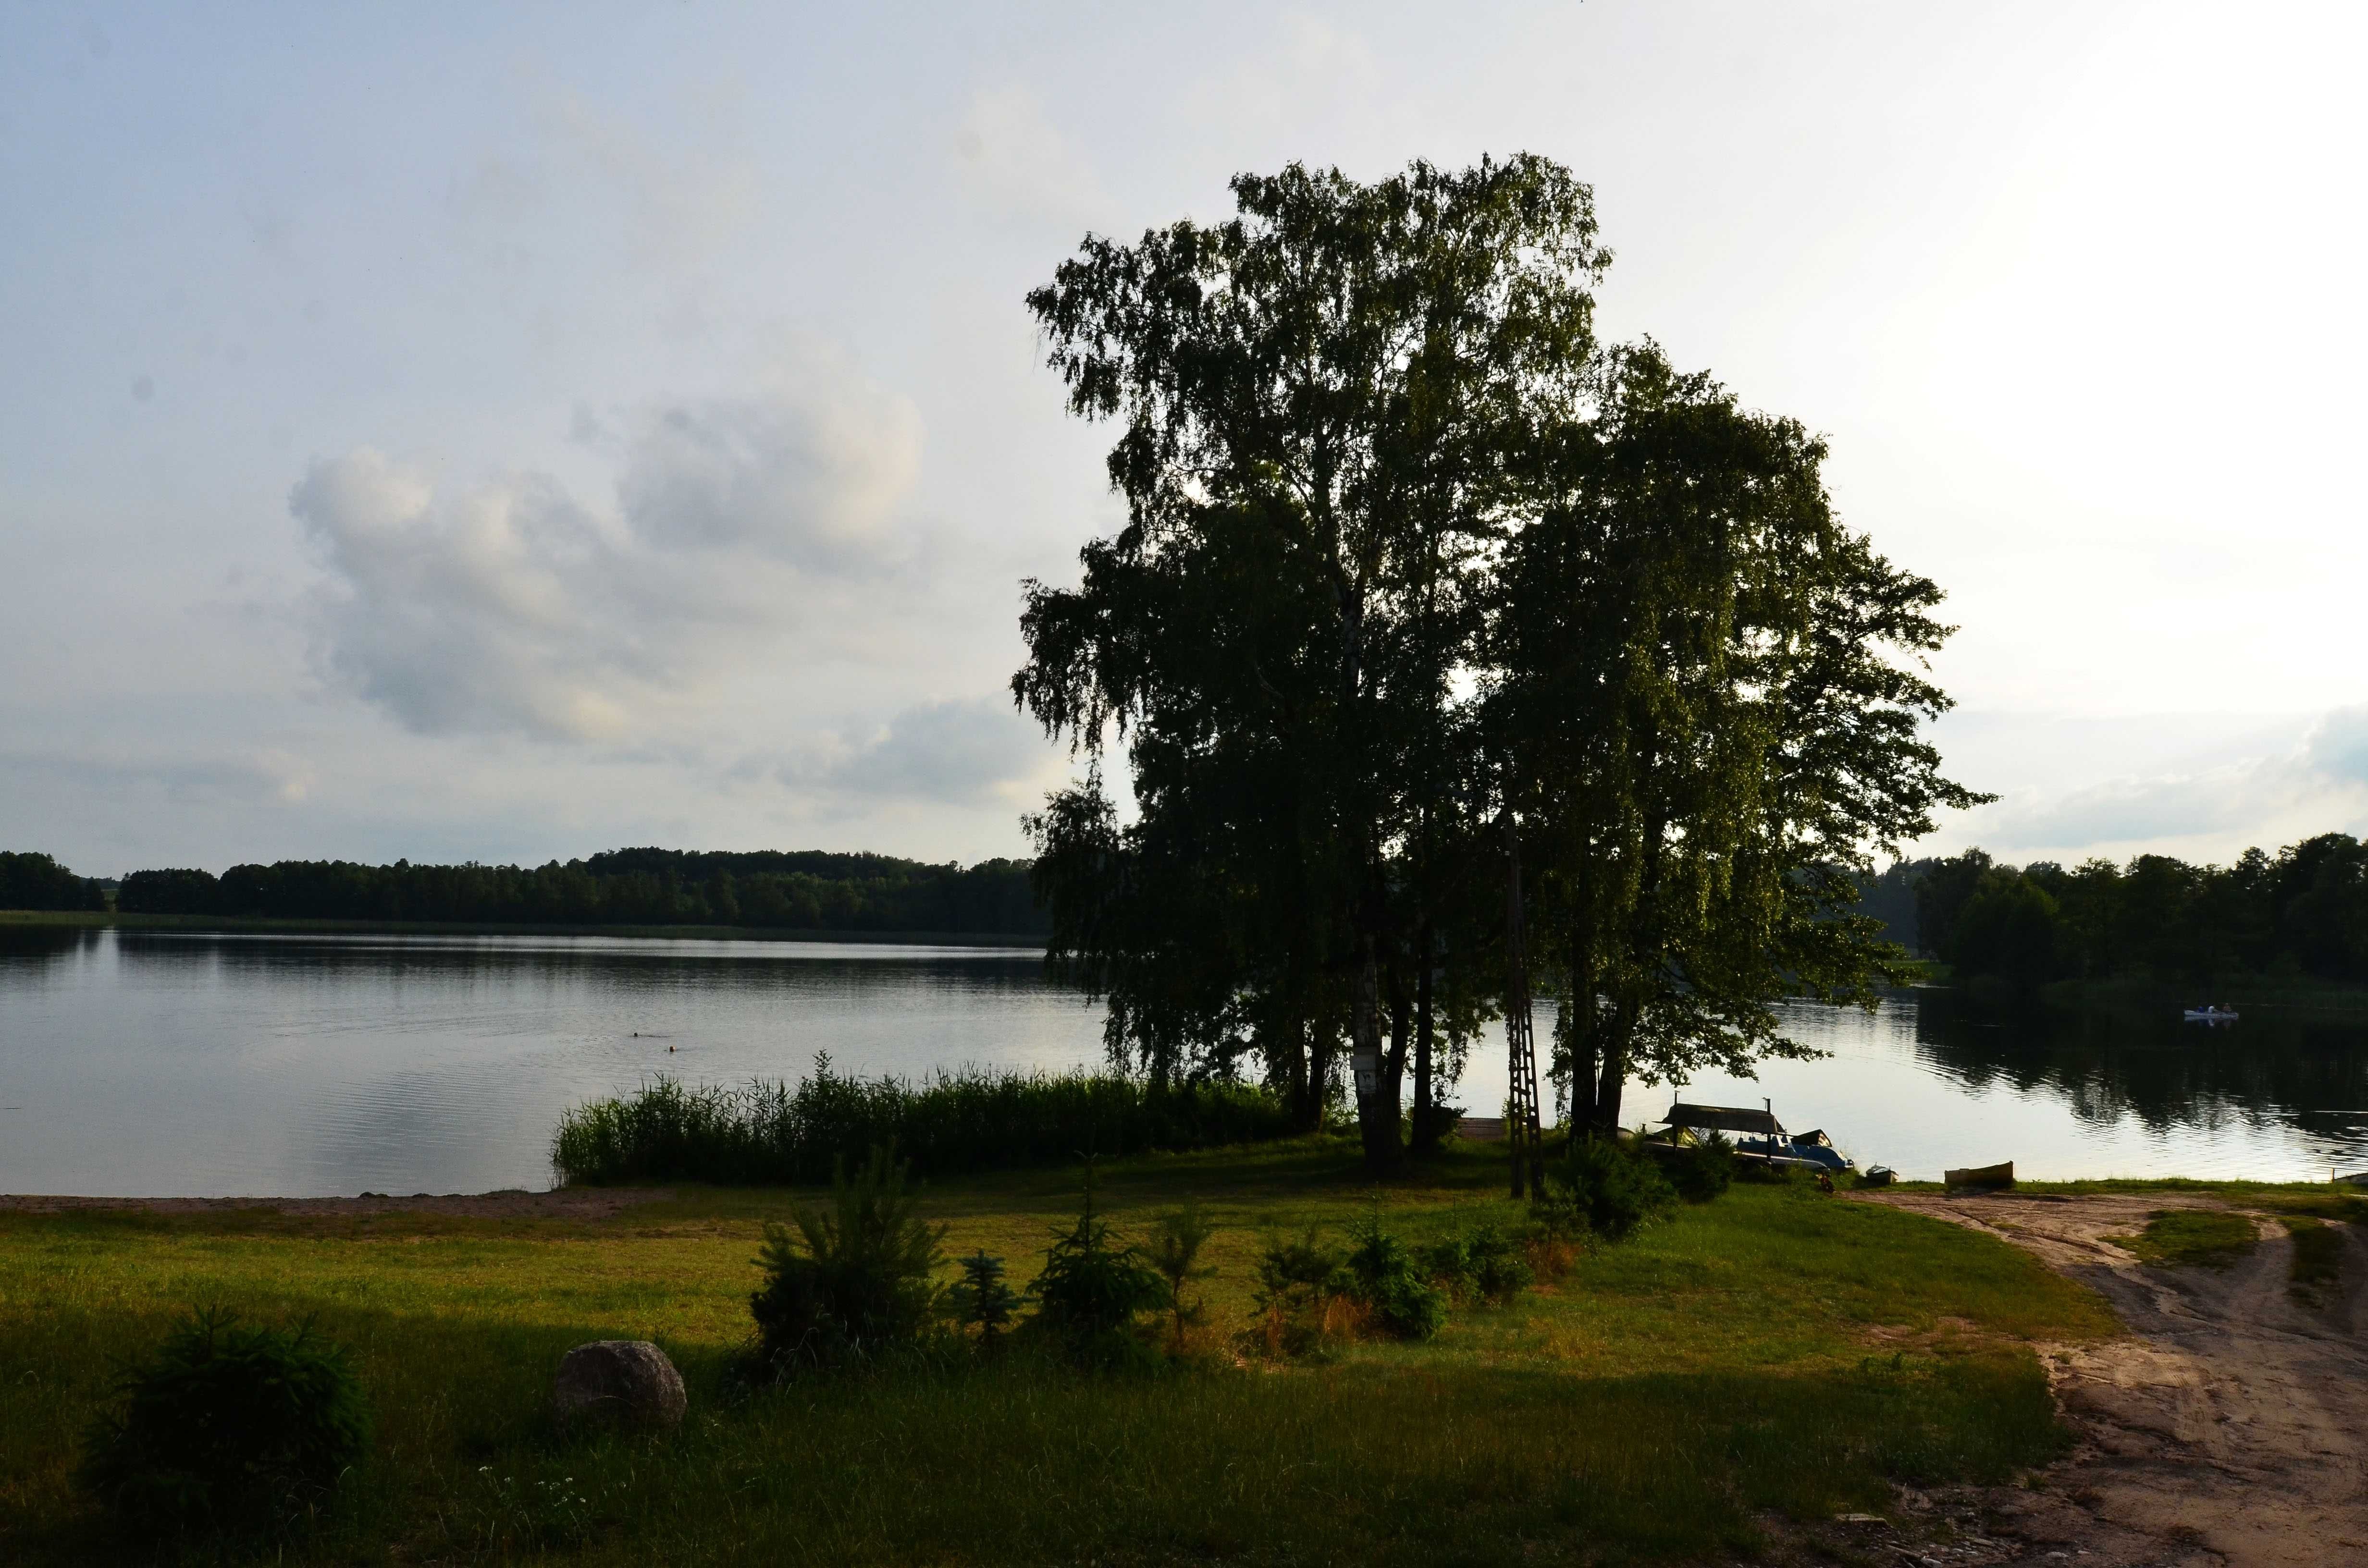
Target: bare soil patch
x: 2229, y: 1426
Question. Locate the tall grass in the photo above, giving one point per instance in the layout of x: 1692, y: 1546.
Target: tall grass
x: 970, y: 1119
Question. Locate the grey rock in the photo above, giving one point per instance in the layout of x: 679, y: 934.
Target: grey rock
x: 629, y: 1381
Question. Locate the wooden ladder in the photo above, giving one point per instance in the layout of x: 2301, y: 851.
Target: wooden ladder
x: 1523, y: 1137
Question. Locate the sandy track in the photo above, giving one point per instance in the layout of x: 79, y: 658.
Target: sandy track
x: 2230, y: 1426
x: 567, y: 1203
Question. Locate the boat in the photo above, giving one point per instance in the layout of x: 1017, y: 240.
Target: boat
x: 2355, y: 1178
x: 1877, y: 1175
x: 1999, y: 1174
x: 2209, y: 1015
x: 1763, y: 1137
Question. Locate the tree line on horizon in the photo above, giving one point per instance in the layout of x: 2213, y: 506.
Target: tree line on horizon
x: 31, y: 881
x: 2301, y: 913
x: 791, y: 890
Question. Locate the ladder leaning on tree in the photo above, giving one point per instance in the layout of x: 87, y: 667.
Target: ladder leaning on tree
x: 1523, y: 1137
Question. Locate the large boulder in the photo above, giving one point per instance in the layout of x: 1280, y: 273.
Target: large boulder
x: 627, y: 1382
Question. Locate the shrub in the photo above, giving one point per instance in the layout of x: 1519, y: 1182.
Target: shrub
x: 982, y: 1299
x: 1302, y: 1295
x: 1705, y: 1172
x: 969, y: 1119
x: 228, y: 1428
x: 1382, y: 1275
x: 1599, y: 1190
x: 1090, y: 1292
x: 852, y: 1281
x: 1175, y: 1242
x: 1483, y: 1261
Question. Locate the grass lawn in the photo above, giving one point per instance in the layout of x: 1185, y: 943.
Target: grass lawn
x: 1774, y: 1354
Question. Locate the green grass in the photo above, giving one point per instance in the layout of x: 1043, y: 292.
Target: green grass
x: 2175, y: 1238
x: 1775, y: 1353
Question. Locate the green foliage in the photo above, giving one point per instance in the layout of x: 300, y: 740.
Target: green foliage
x: 1480, y: 1260
x: 1704, y: 1172
x: 227, y: 1427
x: 969, y: 1118
x: 1299, y: 1278
x: 982, y: 1299
x: 1090, y: 1291
x: 852, y: 1283
x: 37, y: 881
x: 1176, y: 1237
x: 1385, y: 1278
x: 1601, y: 1191
x: 2303, y: 911
x: 812, y: 890
x: 2209, y: 1238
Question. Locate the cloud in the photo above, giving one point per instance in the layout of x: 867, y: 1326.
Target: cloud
x: 2313, y: 787
x: 963, y: 752
x: 1014, y: 162
x: 513, y: 607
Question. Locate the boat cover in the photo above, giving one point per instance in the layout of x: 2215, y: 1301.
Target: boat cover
x: 1725, y: 1119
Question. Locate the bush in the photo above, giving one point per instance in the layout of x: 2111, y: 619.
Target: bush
x: 1599, y: 1190
x: 1091, y: 1292
x: 1175, y: 1243
x: 228, y: 1428
x: 852, y: 1282
x: 1483, y: 1261
x: 1383, y: 1275
x: 969, y: 1119
x: 1302, y: 1288
x: 1705, y: 1172
x: 983, y: 1299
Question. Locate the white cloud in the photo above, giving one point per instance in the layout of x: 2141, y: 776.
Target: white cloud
x: 512, y: 608
x: 2318, y: 785
x: 961, y: 752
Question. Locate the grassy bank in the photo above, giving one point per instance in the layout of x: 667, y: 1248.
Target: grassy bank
x: 76, y: 920
x: 1772, y: 1354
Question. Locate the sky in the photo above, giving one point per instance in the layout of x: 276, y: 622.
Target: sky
x: 451, y: 431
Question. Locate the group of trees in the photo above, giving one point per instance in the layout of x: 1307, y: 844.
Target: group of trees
x: 803, y: 891
x: 37, y: 881
x: 1418, y: 579
x: 2301, y: 912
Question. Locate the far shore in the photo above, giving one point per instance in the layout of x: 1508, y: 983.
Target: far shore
x: 75, y: 919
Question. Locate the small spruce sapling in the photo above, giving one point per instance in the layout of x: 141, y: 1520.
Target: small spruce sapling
x: 1090, y: 1292
x: 982, y: 1299
x: 1175, y: 1243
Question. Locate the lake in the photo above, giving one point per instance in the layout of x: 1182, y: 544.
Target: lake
x: 157, y: 1064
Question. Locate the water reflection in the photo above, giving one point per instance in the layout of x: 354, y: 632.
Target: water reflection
x: 178, y: 1062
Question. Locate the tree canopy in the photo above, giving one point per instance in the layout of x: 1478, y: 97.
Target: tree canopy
x: 1408, y: 559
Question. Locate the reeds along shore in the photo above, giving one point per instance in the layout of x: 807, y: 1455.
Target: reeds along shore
x: 970, y: 1119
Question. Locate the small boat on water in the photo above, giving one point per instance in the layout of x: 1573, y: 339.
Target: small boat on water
x: 2354, y: 1178
x: 2211, y: 1015
x: 1983, y: 1177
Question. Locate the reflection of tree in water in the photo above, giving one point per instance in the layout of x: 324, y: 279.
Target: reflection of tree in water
x: 27, y: 951
x: 574, y: 962
x: 2165, y: 1074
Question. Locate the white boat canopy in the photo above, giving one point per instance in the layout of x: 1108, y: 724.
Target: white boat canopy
x: 1725, y: 1119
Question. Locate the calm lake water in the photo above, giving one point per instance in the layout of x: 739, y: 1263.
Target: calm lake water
x: 172, y: 1063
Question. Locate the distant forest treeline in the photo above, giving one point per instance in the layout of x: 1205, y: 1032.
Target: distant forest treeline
x: 2300, y: 913
x: 36, y: 882
x: 806, y: 890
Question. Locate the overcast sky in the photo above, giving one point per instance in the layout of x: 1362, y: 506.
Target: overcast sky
x: 508, y: 432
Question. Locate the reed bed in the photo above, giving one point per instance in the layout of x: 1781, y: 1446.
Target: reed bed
x: 967, y: 1119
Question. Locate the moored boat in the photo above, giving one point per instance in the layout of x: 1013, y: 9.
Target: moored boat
x: 2211, y: 1015
x: 1998, y: 1175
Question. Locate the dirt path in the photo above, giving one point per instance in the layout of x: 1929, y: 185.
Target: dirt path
x: 2230, y: 1426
